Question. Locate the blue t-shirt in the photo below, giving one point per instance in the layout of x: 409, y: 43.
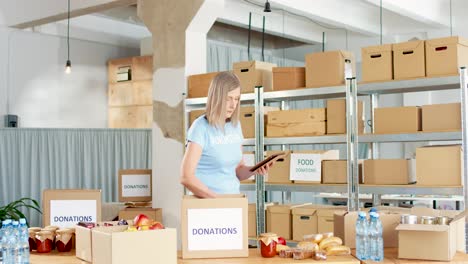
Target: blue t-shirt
x: 220, y: 156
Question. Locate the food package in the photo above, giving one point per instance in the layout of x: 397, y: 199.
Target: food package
x: 331, y: 241
x: 338, y: 251
x: 286, y: 253
x: 299, y: 253
x: 315, y: 238
x: 307, y: 245
x: 320, y: 255
x: 280, y: 247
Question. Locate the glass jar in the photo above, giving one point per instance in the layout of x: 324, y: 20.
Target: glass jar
x: 32, y: 237
x: 63, y: 240
x: 52, y: 229
x: 44, y: 241
x: 268, y: 243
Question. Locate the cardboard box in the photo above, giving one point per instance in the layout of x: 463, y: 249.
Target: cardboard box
x: 66, y: 207
x: 439, y: 165
x: 445, y: 56
x: 252, y: 220
x: 336, y: 171
x: 206, y: 222
x: 130, y: 212
x: 390, y: 120
x: 389, y: 172
x: 297, y: 116
x: 279, y: 220
x: 441, y: 117
x: 325, y: 221
x: 297, y: 129
x: 254, y: 73
x: 112, y: 246
x: 336, y: 116
x: 432, y: 242
x: 304, y: 221
x: 246, y: 117
x: 281, y: 171
x: 288, y: 78
x: 327, y: 68
x: 135, y: 185
x: 345, y: 225
x: 83, y: 241
x: 377, y: 63
x: 199, y: 84
x: 409, y: 60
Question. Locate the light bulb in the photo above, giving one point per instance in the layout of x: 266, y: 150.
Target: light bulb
x: 68, y: 67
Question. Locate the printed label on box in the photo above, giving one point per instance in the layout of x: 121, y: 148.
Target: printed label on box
x: 305, y: 167
x: 67, y: 213
x: 214, y: 229
x: 136, y: 185
x: 249, y: 160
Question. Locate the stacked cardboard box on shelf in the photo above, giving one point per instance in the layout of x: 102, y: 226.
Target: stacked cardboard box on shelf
x: 254, y: 73
x: 409, y: 60
x: 288, y: 78
x: 444, y: 56
x: 300, y: 166
x: 336, y: 116
x: 335, y: 172
x: 441, y: 117
x: 389, y: 172
x: 377, y: 63
x: 390, y: 120
x: 291, y: 123
x: 199, y: 84
x: 327, y: 68
x: 439, y: 165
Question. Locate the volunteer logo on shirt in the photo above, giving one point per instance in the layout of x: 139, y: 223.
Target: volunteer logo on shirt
x: 226, y: 139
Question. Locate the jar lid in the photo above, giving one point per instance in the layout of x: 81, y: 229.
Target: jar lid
x: 268, y: 235
x: 65, y: 231
x: 50, y: 227
x: 34, y: 229
x: 44, y: 234
x: 267, y: 238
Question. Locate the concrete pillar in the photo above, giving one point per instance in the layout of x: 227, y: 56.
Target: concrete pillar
x: 179, y: 29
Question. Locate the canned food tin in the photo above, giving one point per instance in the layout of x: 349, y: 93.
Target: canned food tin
x: 443, y: 220
x: 428, y: 220
x: 409, y: 219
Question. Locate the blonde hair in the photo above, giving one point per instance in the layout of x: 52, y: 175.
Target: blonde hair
x: 220, y: 86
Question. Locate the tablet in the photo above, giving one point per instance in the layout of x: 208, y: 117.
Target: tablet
x: 268, y: 159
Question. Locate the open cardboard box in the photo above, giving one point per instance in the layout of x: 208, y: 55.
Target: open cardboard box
x: 111, y: 245
x: 432, y: 242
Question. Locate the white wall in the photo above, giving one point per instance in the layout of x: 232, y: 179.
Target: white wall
x: 41, y: 94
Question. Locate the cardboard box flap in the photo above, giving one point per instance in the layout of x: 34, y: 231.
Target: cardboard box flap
x: 459, y: 216
x: 442, y: 42
x: 408, y: 47
x: 243, y: 66
x: 375, y: 50
x: 288, y: 69
x: 304, y: 210
x: 109, y: 229
x: 423, y: 228
x: 283, y: 208
x: 443, y: 146
x: 326, y: 212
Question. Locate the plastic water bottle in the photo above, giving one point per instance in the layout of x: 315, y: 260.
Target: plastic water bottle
x: 13, y: 245
x: 4, y: 243
x: 23, y: 243
x: 362, y: 239
x: 2, y: 234
x: 376, y: 238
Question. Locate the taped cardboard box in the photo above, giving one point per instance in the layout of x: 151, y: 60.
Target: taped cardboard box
x: 327, y: 68
x: 297, y: 116
x: 445, y: 56
x: 254, y: 73
x: 345, y: 225
x: 304, y: 221
x: 377, y: 63
x: 83, y: 240
x: 441, y: 117
x: 297, y: 129
x: 205, y: 221
x: 112, y: 246
x: 309, y: 173
x: 135, y: 185
x: 288, y: 78
x: 129, y: 213
x: 390, y: 120
x: 389, y: 172
x: 432, y: 242
x: 199, y: 84
x: 279, y: 219
x: 409, y: 60
x: 66, y: 207
x: 336, y: 171
x: 439, y: 165
x: 336, y: 116
x: 325, y: 220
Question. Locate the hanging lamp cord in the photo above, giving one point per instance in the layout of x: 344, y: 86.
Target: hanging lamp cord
x: 68, y: 31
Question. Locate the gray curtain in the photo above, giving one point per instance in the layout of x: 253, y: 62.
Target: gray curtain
x: 32, y: 160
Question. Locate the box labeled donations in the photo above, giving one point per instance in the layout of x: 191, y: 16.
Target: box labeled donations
x: 215, y: 228
x: 135, y: 185
x: 67, y: 207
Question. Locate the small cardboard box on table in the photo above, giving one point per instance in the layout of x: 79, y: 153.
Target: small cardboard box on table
x: 83, y: 240
x: 214, y: 228
x: 432, y: 242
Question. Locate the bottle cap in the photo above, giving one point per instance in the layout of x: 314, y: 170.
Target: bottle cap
x: 362, y: 214
x: 22, y: 221
x: 15, y: 223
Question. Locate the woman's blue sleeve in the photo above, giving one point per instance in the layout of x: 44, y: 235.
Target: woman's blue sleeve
x: 197, y: 134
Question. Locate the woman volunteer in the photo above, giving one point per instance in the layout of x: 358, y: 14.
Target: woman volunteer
x: 213, y: 163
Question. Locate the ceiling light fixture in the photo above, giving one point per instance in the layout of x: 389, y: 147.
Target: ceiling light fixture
x: 68, y: 64
x: 267, y: 7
